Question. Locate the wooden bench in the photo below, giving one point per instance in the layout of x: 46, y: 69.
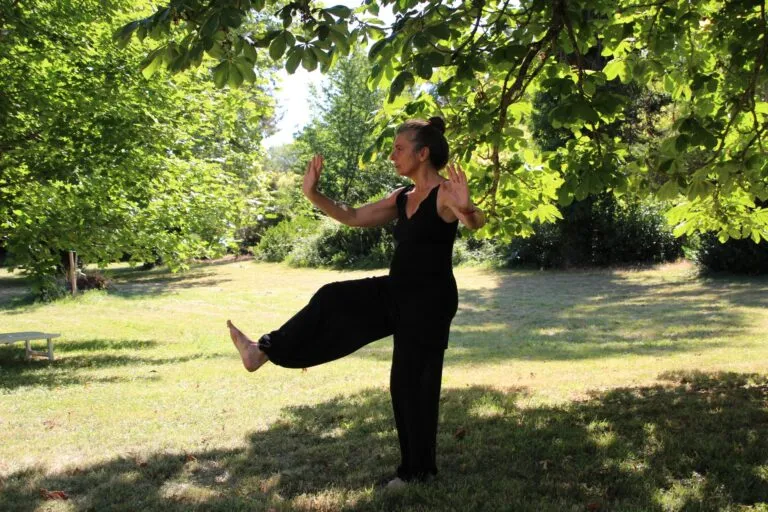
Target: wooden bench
x: 27, y: 337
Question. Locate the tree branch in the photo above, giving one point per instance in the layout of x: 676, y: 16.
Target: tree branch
x: 515, y: 91
x: 579, y: 57
x: 471, y: 36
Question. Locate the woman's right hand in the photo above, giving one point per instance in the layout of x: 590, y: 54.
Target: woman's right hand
x: 312, y: 176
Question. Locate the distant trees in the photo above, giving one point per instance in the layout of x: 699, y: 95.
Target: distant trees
x: 97, y: 159
x: 342, y: 129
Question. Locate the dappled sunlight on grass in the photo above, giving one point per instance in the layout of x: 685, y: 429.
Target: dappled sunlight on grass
x: 699, y: 442
x: 562, y: 389
x: 601, y: 313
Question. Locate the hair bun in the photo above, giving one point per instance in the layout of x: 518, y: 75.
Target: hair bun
x: 438, y: 123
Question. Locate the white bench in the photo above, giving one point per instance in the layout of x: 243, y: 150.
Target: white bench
x: 27, y: 337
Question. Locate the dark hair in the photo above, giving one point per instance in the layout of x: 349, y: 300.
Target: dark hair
x: 428, y: 134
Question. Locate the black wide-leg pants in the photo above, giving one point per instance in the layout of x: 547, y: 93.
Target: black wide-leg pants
x: 344, y: 316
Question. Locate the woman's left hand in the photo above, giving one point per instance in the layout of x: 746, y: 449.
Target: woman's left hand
x: 457, y: 188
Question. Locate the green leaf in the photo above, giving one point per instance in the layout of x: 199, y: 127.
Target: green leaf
x: 435, y: 59
x: 221, y: 74
x: 444, y: 88
x: 565, y: 194
x: 669, y: 190
x: 323, y: 31
x: 246, y: 70
x: 681, y: 142
x: 559, y: 116
x: 376, y: 48
x: 515, y: 52
x: 309, y: 60
x: 616, y: 68
x: 398, y: 84
x: 123, y: 36
x: 152, y: 63
x: 440, y: 31
x: 340, y: 37
x: 584, y: 111
x: 231, y: 17
x: 210, y: 26
x: 250, y: 53
x: 340, y: 11
x: 424, y: 69
x: 235, y: 78
x: 322, y: 57
x: 216, y: 51
x: 547, y: 213
x: 277, y: 47
x: 420, y: 40
x: 681, y: 229
x: 294, y: 58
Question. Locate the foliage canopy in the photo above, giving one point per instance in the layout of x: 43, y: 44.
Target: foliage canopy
x: 481, y: 60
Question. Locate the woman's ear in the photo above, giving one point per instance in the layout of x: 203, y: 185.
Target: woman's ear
x: 424, y: 154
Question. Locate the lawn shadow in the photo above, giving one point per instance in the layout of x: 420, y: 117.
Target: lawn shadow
x: 71, y: 367
x: 15, y: 291
x: 16, y: 296
x: 583, y: 315
x: 152, y: 283
x: 698, y: 443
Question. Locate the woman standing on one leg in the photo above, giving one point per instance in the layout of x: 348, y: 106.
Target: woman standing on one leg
x: 415, y: 303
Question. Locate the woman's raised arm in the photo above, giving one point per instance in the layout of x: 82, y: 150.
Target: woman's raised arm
x: 369, y: 215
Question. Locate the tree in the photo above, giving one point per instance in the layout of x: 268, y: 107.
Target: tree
x: 487, y: 57
x: 97, y: 159
x: 342, y: 129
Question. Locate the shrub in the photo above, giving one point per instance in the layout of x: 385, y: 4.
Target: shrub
x: 48, y: 288
x: 468, y: 250
x: 339, y: 246
x: 278, y: 241
x: 600, y: 231
x: 92, y: 281
x: 737, y: 256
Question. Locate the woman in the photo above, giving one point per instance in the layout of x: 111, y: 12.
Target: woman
x: 415, y: 303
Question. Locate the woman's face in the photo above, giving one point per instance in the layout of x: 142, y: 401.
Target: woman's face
x: 406, y: 159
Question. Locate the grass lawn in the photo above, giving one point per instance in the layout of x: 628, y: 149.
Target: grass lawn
x: 585, y: 390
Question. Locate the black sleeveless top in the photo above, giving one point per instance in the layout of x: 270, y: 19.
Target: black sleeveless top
x: 421, y: 274
x: 423, y: 243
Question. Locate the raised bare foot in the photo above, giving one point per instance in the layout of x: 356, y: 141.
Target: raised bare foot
x: 253, y: 357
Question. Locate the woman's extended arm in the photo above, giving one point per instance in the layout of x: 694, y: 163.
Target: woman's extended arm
x: 458, y: 201
x: 369, y: 215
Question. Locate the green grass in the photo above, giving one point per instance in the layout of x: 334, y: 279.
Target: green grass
x: 587, y: 390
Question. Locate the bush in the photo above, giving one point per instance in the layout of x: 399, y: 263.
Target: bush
x: 278, y: 241
x: 600, y: 231
x: 249, y: 236
x: 737, y: 256
x: 305, y: 242
x: 48, y: 288
x: 468, y: 250
x: 92, y: 281
x: 339, y: 246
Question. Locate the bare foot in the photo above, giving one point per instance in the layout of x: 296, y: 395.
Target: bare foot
x: 253, y: 357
